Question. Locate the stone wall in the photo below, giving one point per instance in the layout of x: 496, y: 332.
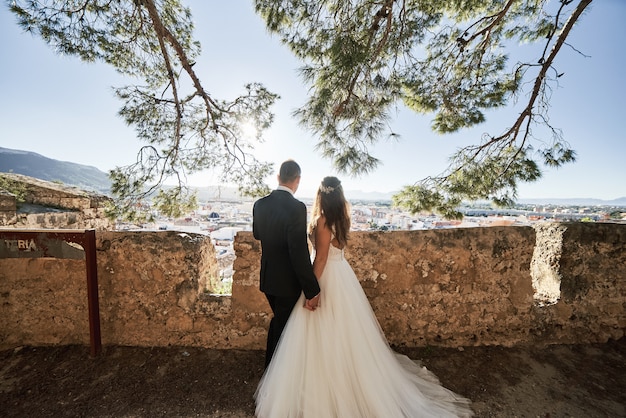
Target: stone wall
x: 49, y: 205
x: 475, y: 286
x: 8, y: 207
x: 454, y: 287
x: 52, y: 194
x: 86, y: 219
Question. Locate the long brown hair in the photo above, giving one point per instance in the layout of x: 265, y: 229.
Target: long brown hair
x: 330, y: 202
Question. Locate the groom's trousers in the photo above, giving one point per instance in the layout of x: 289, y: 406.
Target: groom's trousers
x: 281, y: 308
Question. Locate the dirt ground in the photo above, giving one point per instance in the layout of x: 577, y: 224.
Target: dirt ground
x: 554, y: 381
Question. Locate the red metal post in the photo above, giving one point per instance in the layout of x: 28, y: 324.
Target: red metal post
x: 92, y: 292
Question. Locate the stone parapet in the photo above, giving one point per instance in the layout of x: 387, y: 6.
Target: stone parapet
x: 55, y: 205
x: 453, y: 287
x: 61, y: 220
x: 8, y: 207
x: 7, y: 201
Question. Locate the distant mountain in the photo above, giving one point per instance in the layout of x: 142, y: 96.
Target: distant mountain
x: 354, y: 195
x: 211, y: 193
x: 90, y: 178
x: 35, y: 165
x: 575, y: 202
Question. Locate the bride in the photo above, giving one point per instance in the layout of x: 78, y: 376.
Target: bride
x: 335, y: 361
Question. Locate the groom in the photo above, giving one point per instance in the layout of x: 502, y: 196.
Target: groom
x: 279, y: 222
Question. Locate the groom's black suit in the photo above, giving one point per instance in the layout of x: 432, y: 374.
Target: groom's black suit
x: 279, y: 222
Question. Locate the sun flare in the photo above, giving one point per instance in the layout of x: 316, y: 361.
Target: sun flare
x: 248, y: 129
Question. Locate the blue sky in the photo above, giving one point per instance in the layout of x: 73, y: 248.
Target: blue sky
x: 63, y: 108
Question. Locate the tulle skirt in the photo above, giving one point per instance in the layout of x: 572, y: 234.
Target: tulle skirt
x: 336, y: 362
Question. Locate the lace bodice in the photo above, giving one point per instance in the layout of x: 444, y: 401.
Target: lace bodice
x: 335, y: 253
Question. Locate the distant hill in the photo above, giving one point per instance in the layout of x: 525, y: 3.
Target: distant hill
x: 576, y: 202
x: 211, y: 193
x: 90, y: 178
x: 358, y: 195
x: 223, y: 193
x: 35, y: 165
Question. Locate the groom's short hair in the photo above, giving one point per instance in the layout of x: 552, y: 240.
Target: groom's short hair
x: 289, y: 171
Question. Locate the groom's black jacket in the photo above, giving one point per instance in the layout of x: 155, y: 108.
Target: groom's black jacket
x: 279, y: 222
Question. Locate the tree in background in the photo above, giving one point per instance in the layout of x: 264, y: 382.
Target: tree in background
x: 185, y: 129
x: 362, y: 59
x: 443, y: 57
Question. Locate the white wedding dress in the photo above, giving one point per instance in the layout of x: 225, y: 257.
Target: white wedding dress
x: 336, y: 362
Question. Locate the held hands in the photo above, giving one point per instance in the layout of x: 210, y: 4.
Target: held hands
x: 313, y: 303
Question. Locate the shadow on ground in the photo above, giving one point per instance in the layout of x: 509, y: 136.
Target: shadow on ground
x: 554, y: 381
